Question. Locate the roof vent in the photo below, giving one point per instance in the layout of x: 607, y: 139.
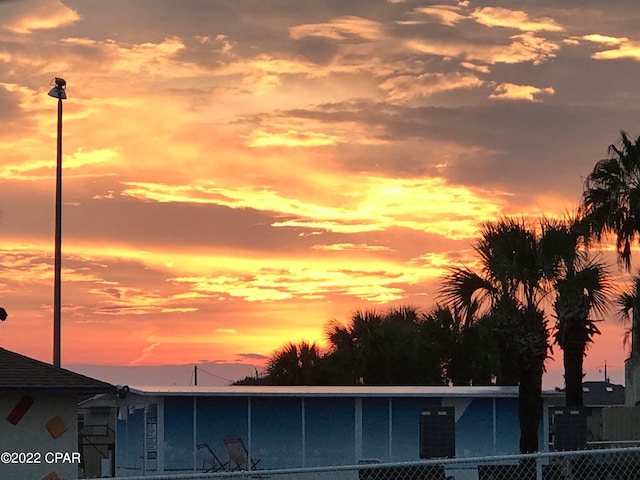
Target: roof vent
x: 585, y: 389
x: 609, y: 388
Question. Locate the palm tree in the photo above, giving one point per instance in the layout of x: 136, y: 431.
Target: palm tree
x: 382, y: 348
x: 611, y: 197
x: 581, y: 286
x: 296, y: 364
x: 628, y: 304
x: 464, y: 344
x: 351, y: 346
x: 509, y: 289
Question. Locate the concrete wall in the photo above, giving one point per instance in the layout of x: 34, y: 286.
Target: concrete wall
x: 28, y: 449
x: 621, y: 423
x: 632, y: 381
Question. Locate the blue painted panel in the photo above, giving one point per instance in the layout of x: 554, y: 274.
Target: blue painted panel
x: 178, y: 433
x: 276, y: 432
x: 375, y: 428
x: 218, y: 418
x: 474, y: 429
x: 129, y: 442
x: 406, y: 427
x: 330, y: 431
x: 508, y: 426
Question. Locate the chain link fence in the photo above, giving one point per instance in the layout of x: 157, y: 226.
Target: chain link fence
x: 597, y: 464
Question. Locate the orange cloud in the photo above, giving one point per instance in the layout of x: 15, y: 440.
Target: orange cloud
x: 503, y: 17
x: 598, y: 38
x: 406, y: 87
x: 627, y: 50
x: 445, y: 14
x: 377, y: 203
x: 291, y: 138
x: 341, y: 247
x: 622, y: 47
x: 42, y: 15
x: 509, y: 91
x: 525, y: 47
x: 339, y: 29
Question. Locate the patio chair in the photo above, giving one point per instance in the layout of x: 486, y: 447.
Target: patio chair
x: 238, y: 455
x: 211, y: 463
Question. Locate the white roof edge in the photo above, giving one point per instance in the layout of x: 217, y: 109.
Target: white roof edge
x: 333, y: 391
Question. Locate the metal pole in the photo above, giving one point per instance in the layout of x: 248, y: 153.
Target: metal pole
x: 58, y: 245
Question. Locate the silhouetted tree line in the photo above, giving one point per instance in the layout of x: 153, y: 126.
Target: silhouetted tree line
x: 398, y: 346
x: 492, y: 323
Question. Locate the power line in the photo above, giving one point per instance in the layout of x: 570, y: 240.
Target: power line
x: 200, y: 369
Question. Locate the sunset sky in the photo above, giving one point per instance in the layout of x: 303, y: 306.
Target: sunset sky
x: 238, y: 173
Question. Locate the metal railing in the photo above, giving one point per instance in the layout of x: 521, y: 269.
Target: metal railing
x: 596, y: 464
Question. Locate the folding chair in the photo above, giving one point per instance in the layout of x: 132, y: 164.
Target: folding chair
x: 212, y: 463
x: 238, y: 455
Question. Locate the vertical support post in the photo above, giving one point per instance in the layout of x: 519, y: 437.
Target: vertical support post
x: 160, y: 427
x: 58, y: 245
x: 495, y: 427
x: 145, y: 413
x: 358, y: 429
x: 390, y: 430
x: 249, y: 441
x: 304, y: 433
x: 195, y: 433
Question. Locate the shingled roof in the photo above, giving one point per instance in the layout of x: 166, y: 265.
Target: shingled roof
x: 23, y: 374
x: 601, y: 394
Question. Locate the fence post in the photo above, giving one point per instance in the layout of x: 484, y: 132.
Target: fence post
x: 538, y: 467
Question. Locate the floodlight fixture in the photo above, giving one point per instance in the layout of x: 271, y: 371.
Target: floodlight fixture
x: 59, y: 87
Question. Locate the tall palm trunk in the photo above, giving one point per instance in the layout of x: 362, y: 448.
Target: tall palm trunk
x: 575, y: 331
x: 534, y: 349
x: 635, y: 333
x: 573, y: 359
x: 530, y: 408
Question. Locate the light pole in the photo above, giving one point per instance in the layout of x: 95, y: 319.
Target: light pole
x: 58, y: 91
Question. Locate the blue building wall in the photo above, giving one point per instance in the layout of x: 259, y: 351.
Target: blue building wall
x: 287, y: 431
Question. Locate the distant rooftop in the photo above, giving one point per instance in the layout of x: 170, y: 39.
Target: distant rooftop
x: 23, y: 374
x: 601, y: 394
x: 332, y: 391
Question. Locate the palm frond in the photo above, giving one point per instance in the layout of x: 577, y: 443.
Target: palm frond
x: 464, y: 289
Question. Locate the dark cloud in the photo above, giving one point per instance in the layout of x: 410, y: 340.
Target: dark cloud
x: 9, y: 111
x: 252, y: 356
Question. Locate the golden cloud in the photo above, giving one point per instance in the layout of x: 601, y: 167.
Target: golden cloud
x: 597, y: 38
x: 375, y: 203
x: 341, y: 247
x: 445, y: 14
x: 525, y: 47
x: 503, y: 17
x: 43, y: 15
x: 628, y: 50
x: 339, y: 29
x: 510, y: 91
x: 406, y: 87
x: 291, y: 138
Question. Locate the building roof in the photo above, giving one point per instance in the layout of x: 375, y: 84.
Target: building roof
x: 601, y: 394
x: 332, y: 391
x: 23, y: 374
